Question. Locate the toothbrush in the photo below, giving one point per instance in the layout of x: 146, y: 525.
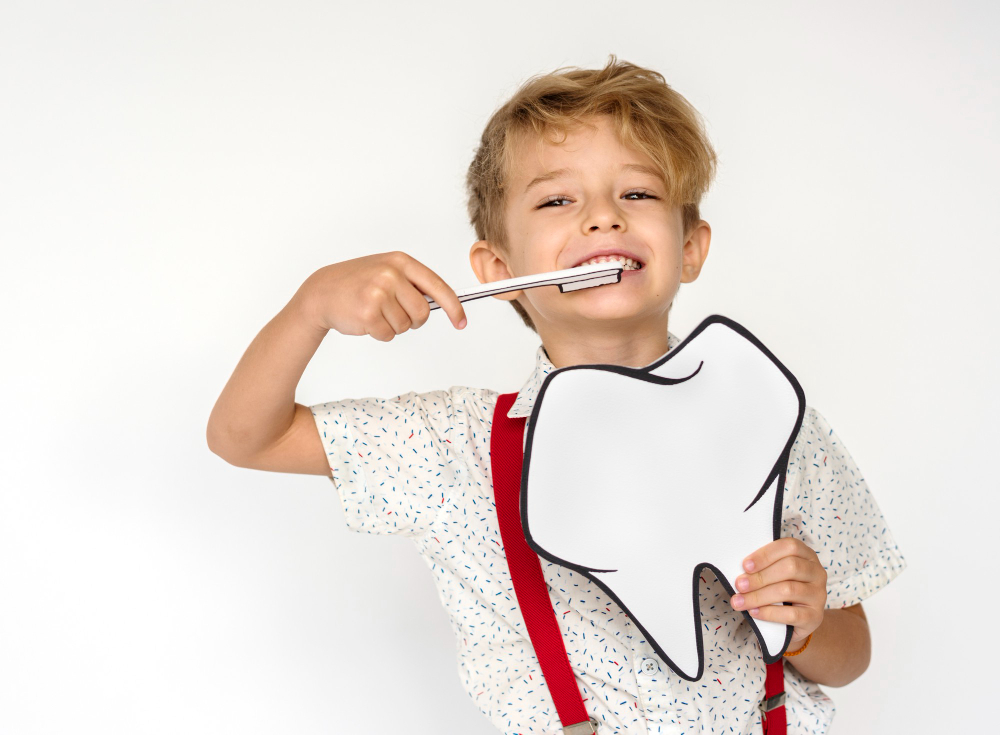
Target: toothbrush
x: 569, y: 279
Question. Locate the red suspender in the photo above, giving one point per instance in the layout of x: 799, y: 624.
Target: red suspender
x: 506, y: 458
x: 773, y: 719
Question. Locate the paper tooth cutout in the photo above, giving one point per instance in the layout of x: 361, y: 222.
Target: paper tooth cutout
x: 647, y: 475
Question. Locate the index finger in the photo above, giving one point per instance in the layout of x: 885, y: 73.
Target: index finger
x: 430, y: 283
x: 767, y: 554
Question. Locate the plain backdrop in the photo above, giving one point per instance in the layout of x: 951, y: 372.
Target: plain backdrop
x: 170, y: 173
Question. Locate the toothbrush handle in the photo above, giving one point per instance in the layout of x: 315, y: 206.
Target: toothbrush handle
x: 583, y: 276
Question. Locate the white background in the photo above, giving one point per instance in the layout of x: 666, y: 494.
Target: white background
x: 170, y: 173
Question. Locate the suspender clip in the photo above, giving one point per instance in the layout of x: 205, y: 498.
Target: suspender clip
x: 589, y: 727
x: 766, y: 705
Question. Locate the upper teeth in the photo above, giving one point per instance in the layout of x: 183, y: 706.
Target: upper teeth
x: 630, y: 265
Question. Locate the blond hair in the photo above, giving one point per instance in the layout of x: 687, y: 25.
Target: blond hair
x: 646, y: 114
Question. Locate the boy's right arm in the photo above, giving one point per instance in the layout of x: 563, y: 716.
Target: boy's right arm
x: 256, y: 422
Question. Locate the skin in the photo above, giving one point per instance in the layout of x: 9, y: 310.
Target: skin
x: 786, y: 570
x: 555, y: 224
x: 618, y: 324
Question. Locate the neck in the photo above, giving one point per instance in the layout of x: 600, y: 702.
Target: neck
x: 637, y: 347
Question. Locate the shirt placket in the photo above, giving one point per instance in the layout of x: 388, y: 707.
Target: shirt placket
x: 656, y: 699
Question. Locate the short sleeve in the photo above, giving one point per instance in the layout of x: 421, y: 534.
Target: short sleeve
x: 393, y: 460
x: 828, y: 506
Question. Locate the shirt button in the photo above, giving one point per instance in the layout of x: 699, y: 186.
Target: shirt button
x: 649, y: 666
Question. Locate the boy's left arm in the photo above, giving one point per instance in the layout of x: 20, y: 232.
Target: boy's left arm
x: 834, y: 550
x: 788, y: 570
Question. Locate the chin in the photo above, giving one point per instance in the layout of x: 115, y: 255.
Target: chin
x: 614, y: 312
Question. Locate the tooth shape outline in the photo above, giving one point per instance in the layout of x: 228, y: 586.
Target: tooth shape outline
x: 570, y: 517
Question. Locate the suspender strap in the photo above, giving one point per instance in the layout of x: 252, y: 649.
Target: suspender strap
x: 506, y: 461
x: 506, y: 457
x: 772, y: 715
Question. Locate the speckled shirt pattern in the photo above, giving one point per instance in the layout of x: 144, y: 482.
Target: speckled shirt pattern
x: 418, y: 465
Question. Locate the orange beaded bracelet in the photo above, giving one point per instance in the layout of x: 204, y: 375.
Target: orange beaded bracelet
x: 796, y: 653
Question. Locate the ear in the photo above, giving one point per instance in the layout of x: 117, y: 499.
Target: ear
x: 695, y: 251
x: 490, y: 265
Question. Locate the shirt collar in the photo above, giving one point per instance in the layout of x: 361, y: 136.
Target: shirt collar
x: 525, y: 401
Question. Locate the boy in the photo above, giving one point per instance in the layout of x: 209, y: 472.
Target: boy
x: 584, y: 163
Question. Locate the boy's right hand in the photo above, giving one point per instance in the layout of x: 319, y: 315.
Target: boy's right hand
x: 381, y: 295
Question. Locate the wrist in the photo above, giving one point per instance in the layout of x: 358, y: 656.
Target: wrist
x: 797, y: 648
x: 302, y: 310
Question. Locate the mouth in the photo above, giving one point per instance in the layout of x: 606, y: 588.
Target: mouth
x: 629, y: 264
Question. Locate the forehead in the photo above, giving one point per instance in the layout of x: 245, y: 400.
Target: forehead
x: 590, y: 145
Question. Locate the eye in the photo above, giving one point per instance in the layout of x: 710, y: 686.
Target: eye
x: 552, y: 200
x: 562, y: 198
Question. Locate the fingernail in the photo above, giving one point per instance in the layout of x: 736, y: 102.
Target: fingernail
x: 754, y: 610
x: 461, y: 324
x: 743, y: 584
x: 738, y: 601
x: 748, y: 564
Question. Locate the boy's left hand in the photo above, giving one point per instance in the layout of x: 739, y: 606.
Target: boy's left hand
x: 785, y: 570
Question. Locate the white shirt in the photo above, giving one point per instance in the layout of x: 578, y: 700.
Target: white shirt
x: 418, y: 464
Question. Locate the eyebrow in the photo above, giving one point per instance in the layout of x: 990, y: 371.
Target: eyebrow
x: 637, y: 167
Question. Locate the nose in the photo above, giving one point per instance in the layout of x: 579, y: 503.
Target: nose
x: 604, y: 215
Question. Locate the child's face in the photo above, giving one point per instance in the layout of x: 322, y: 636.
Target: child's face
x: 599, y: 203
